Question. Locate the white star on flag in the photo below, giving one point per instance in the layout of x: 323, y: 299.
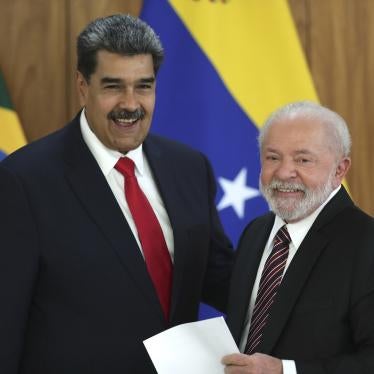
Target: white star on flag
x: 236, y: 192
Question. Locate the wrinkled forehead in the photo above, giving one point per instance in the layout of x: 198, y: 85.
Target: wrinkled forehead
x: 299, y: 136
x: 298, y: 129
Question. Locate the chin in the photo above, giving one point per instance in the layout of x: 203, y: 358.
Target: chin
x: 126, y: 147
x: 289, y: 211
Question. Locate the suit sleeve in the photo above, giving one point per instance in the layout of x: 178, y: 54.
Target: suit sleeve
x: 360, y: 319
x: 18, y: 267
x: 220, y: 261
x: 359, y: 362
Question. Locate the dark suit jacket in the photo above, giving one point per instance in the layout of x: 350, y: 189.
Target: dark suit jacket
x: 76, y: 296
x: 323, y: 316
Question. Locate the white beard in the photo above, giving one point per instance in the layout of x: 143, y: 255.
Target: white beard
x: 295, y: 209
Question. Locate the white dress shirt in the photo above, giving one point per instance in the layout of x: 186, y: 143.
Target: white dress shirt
x: 106, y: 159
x: 297, y: 231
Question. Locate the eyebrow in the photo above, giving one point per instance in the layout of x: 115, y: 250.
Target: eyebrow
x: 106, y: 80
x: 304, y: 152
x: 269, y: 149
x: 109, y: 80
x: 297, y: 152
x: 148, y: 80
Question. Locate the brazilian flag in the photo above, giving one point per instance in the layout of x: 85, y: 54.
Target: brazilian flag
x: 11, y: 134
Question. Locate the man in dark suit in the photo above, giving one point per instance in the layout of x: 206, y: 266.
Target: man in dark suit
x: 302, y: 292
x: 80, y: 282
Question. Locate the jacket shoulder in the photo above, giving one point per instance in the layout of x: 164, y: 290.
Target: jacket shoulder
x: 259, y: 223
x: 168, y: 145
x: 33, y: 156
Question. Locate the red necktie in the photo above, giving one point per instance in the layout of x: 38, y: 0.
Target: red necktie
x: 156, y: 254
x: 270, y: 280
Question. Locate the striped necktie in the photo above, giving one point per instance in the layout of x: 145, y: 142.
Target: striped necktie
x: 270, y: 280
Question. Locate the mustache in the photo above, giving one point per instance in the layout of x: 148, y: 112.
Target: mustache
x: 125, y: 114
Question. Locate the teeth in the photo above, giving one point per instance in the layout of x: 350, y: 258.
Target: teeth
x: 121, y: 120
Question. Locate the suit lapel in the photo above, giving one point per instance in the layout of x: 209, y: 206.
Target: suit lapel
x: 291, y: 286
x: 250, y: 250
x: 299, y: 270
x: 164, y: 174
x: 94, y: 193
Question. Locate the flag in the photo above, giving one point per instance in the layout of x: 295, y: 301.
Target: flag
x: 228, y: 65
x: 11, y: 134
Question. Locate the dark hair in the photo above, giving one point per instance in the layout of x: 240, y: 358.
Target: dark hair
x: 122, y: 34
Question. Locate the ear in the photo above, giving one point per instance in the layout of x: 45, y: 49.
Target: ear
x: 342, y: 169
x: 82, y: 88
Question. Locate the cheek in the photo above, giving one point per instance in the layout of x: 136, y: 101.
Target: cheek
x: 102, y: 105
x: 266, y: 175
x: 105, y: 107
x: 149, y: 104
x: 311, y: 180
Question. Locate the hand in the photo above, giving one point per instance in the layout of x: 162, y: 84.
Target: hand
x: 257, y: 363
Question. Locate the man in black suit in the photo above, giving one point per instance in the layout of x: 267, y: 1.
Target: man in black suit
x: 302, y: 292
x: 78, y: 295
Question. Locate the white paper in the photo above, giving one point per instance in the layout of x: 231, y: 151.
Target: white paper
x: 196, y: 347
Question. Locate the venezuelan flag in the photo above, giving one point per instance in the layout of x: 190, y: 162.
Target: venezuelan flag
x: 228, y: 65
x: 11, y: 135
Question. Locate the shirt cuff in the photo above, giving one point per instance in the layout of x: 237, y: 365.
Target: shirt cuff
x: 289, y: 367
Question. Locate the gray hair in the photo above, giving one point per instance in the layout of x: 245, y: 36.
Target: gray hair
x: 338, y: 130
x: 122, y: 34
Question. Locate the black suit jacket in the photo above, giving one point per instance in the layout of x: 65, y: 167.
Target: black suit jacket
x: 76, y: 295
x: 323, y: 315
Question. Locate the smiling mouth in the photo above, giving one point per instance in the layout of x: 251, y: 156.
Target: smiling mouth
x: 125, y: 122
x: 288, y: 193
x: 287, y: 190
x: 125, y: 118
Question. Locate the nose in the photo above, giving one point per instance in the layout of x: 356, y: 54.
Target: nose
x: 128, y: 100
x: 286, y: 170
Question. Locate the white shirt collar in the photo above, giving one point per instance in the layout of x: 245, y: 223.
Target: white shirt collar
x: 106, y: 157
x: 299, y: 229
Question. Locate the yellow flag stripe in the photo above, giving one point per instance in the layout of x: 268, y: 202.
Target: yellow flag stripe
x: 256, y: 51
x: 11, y: 135
x: 254, y: 47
